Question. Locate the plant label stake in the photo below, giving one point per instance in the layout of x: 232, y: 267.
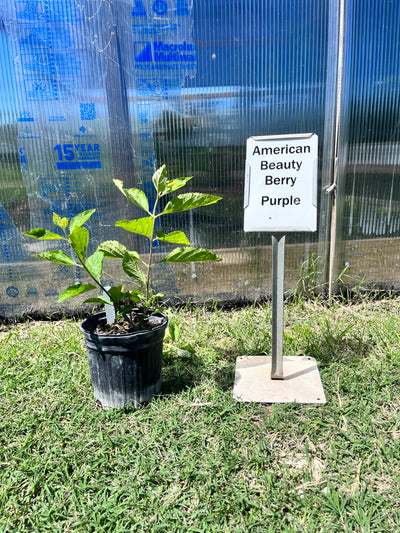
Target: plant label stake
x: 280, y: 197
x: 109, y: 309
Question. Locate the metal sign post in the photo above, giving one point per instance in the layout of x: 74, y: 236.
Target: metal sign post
x: 280, y: 196
x: 278, y: 264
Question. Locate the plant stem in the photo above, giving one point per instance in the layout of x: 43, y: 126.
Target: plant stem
x: 148, y: 276
x: 95, y: 280
x: 115, y: 304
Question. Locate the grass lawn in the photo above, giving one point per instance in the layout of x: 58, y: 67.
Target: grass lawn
x: 196, y: 460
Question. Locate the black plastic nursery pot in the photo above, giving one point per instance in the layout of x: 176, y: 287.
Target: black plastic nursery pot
x: 125, y: 369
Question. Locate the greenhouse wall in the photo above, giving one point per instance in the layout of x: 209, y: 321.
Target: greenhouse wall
x: 99, y: 89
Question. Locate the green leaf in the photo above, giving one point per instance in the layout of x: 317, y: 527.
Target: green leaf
x: 189, y: 254
x: 112, y: 249
x: 57, y: 256
x: 94, y: 264
x: 132, y: 269
x: 136, y: 196
x: 174, y: 185
x: 123, y: 311
x: 42, y: 234
x: 176, y: 237
x: 116, y: 293
x: 136, y: 296
x: 189, y: 200
x: 60, y: 222
x: 98, y: 300
x: 75, y: 290
x: 142, y: 226
x: 79, y: 240
x: 160, y: 179
x: 80, y: 219
x: 173, y: 329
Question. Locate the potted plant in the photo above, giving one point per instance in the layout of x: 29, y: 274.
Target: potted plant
x: 125, y: 350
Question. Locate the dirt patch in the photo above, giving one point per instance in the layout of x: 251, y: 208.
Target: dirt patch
x: 136, y: 322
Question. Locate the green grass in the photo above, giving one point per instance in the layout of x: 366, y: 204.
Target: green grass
x: 195, y: 460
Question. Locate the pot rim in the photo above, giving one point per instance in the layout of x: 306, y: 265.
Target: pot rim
x: 102, y: 314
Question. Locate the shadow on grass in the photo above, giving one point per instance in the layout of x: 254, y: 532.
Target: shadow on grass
x: 185, y: 371
x: 181, y: 371
x: 328, y: 345
x: 224, y: 377
x: 326, y: 349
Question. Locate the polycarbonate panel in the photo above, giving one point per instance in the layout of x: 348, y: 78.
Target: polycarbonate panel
x: 100, y: 89
x: 369, y: 152
x: 56, y: 121
x: 262, y: 68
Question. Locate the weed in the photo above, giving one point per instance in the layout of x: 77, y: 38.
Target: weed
x: 348, y: 287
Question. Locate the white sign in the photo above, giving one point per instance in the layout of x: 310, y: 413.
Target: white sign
x: 281, y: 183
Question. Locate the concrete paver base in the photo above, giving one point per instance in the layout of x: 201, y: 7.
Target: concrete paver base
x: 301, y: 382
